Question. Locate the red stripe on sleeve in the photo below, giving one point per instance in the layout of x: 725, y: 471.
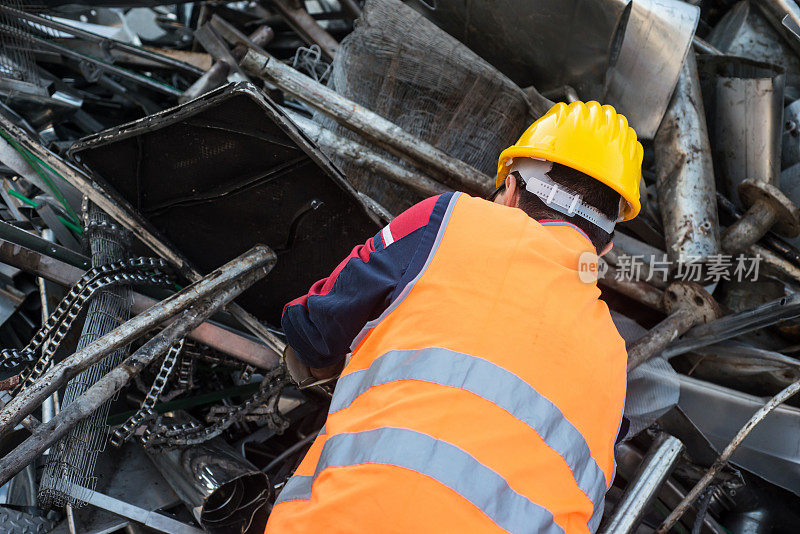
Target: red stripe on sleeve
x: 323, y: 287
x: 413, y: 218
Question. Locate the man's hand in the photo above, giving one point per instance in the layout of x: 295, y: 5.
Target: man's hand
x: 327, y: 372
x: 303, y: 375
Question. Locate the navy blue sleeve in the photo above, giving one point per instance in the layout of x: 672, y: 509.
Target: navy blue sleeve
x: 321, y: 325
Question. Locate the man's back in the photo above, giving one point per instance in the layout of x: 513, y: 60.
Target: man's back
x: 486, y: 396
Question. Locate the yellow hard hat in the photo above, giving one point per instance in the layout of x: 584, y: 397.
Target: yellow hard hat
x: 587, y: 137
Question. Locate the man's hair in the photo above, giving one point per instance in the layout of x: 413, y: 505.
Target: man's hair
x: 594, y: 193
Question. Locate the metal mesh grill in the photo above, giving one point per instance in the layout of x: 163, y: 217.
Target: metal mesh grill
x: 16, y: 57
x: 74, y: 457
x: 401, y: 66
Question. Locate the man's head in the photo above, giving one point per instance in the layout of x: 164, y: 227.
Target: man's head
x: 579, y: 162
x: 608, y: 202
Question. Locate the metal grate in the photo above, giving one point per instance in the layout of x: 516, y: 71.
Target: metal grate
x: 73, y: 459
x: 16, y: 56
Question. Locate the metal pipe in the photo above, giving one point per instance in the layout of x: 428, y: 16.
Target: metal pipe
x: 367, y: 158
x: 105, y: 388
x: 723, y: 458
x: 749, y: 122
x: 259, y: 257
x: 645, y: 485
x: 372, y: 126
x: 688, y: 304
x: 133, y: 221
x: 222, y: 489
x: 685, y: 179
x: 218, y: 73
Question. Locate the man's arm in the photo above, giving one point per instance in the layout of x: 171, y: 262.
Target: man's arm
x: 320, y: 325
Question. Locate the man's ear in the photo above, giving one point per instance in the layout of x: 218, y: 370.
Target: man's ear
x: 512, y: 194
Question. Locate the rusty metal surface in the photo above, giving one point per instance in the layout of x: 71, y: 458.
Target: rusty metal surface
x: 686, y: 187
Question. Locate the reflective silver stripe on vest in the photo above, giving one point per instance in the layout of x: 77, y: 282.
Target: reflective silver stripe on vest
x: 406, y: 290
x: 496, y: 385
x: 439, y: 460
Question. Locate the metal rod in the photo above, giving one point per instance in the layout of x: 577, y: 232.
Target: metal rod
x: 304, y: 24
x: 688, y: 304
x: 259, y: 257
x: 105, y: 42
x: 154, y: 520
x: 133, y: 221
x: 645, y: 485
x: 102, y: 390
x: 638, y: 290
x: 659, y: 337
x: 367, y: 158
x: 720, y: 462
x: 218, y: 73
x: 372, y: 126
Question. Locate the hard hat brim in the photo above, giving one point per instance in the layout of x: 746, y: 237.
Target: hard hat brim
x: 633, y: 205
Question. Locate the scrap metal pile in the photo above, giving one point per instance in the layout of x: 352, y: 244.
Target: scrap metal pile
x: 173, y: 174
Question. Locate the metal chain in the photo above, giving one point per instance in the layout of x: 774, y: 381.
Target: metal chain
x: 203, y: 353
x: 247, y: 374
x: 261, y: 407
x: 30, y: 375
x: 186, y: 372
x: 63, y: 308
x: 146, y: 411
x: 59, y: 322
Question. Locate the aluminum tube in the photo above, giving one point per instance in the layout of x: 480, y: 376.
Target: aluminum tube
x: 658, y: 35
x: 259, y: 257
x: 685, y: 179
x: 107, y: 386
x: 222, y: 489
x: 749, y: 121
x: 645, y: 485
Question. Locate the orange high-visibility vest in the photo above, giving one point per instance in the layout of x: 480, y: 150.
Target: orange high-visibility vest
x: 486, y: 398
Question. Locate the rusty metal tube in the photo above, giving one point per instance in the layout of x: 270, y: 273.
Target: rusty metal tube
x: 372, y: 126
x: 685, y: 180
x: 365, y: 157
x: 659, y: 337
x: 688, y: 305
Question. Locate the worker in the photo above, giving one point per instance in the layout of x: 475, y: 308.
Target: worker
x: 486, y: 383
